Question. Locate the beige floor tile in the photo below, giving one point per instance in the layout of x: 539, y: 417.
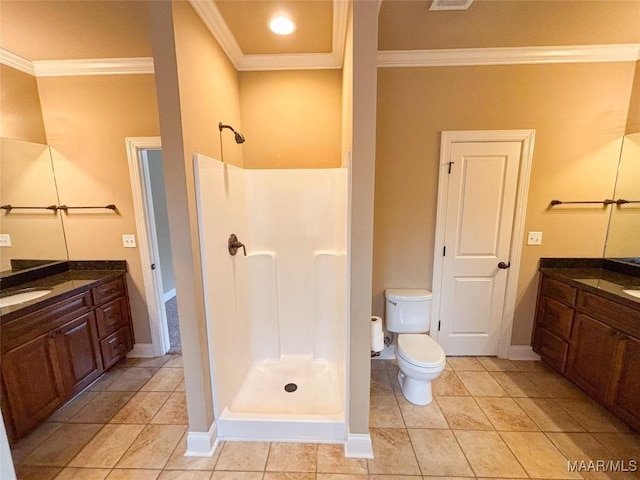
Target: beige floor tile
x: 141, y: 408
x: 438, y: 453
x: 592, y: 416
x: 153, y: 447
x: 554, y: 385
x: 531, y: 366
x: 21, y: 449
x: 184, y: 475
x: 623, y: 446
x: 243, y: 456
x: 481, y: 384
x: 422, y: 416
x: 102, y: 408
x: 448, y: 384
x: 505, y: 414
x: 331, y: 459
x: 280, y: 476
x: 495, y: 364
x: 408, y: 477
x: 132, y: 379
x: 71, y: 473
x: 178, y: 461
x: 175, y: 362
x: 174, y: 411
x: 164, y: 380
x: 24, y: 472
x: 341, y: 476
x: 539, y: 457
x: 488, y: 455
x: 292, y: 457
x: 392, y: 452
x: 465, y: 364
x: 62, y: 445
x: 463, y: 413
x: 153, y: 362
x: 106, y: 448
x: 66, y: 412
x: 106, y: 379
x: 378, y: 364
x: 126, y: 362
x: 517, y: 384
x: 133, y: 474
x: 384, y: 412
x: 380, y: 383
x: 548, y: 415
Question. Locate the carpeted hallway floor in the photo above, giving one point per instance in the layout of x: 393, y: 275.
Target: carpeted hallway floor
x: 171, y: 307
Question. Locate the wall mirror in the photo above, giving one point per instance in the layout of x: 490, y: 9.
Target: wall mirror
x: 27, y: 179
x: 623, y: 236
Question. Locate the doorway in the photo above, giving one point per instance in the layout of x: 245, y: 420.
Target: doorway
x: 482, y: 196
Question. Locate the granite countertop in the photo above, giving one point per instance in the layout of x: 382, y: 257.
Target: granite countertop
x: 77, y: 278
x: 601, y: 277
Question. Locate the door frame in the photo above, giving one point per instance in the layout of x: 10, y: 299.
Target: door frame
x: 147, y: 244
x: 526, y: 139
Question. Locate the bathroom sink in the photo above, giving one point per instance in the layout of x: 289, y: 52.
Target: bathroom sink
x: 633, y: 292
x: 22, y: 296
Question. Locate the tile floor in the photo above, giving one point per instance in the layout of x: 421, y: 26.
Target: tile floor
x: 491, y: 418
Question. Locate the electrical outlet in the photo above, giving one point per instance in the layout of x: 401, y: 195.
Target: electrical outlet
x: 129, y: 241
x: 5, y: 240
x: 534, y: 238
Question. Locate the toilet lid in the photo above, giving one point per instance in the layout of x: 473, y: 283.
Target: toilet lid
x: 421, y: 350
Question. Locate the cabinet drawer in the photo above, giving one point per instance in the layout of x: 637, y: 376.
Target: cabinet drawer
x: 558, y: 291
x: 111, y: 316
x: 556, y: 317
x: 551, y: 348
x: 115, y: 346
x: 30, y: 326
x: 108, y: 291
x: 613, y: 314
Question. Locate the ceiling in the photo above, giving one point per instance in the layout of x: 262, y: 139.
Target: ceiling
x: 93, y: 29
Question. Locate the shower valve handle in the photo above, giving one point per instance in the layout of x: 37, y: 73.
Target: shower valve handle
x: 234, y: 244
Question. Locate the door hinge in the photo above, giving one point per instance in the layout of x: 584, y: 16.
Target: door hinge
x: 438, y: 325
x: 450, y: 163
x: 444, y: 250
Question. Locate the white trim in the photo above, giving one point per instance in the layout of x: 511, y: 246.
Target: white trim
x: 16, y: 61
x: 94, y: 66
x: 509, y: 55
x: 153, y: 294
x: 526, y: 138
x: 522, y: 352
x: 202, y: 444
x: 142, y: 350
x: 358, y: 445
x: 289, y: 61
x: 169, y: 295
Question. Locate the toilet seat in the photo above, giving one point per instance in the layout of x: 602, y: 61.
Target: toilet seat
x: 420, y: 350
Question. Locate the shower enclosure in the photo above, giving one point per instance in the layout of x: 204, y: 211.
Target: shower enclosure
x: 276, y: 318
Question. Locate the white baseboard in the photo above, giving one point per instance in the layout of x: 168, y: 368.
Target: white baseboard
x: 169, y: 295
x: 202, y: 444
x: 522, y: 352
x: 142, y: 350
x: 358, y: 445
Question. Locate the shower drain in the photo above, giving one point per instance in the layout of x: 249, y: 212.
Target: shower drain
x: 290, y: 387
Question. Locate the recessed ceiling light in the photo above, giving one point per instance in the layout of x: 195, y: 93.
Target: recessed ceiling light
x: 282, y: 25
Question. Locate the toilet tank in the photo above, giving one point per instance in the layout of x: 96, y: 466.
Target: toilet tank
x: 407, y: 310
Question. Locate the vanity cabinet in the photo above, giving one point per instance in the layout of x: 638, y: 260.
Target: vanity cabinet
x: 51, y: 354
x: 592, y: 340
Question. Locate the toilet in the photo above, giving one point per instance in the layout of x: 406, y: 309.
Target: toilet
x: 419, y: 357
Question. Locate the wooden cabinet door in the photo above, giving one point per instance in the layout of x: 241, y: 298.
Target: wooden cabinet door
x: 592, y: 355
x: 625, y: 395
x: 77, y: 346
x: 33, y: 382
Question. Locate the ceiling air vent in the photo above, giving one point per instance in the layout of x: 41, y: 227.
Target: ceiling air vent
x: 450, y: 4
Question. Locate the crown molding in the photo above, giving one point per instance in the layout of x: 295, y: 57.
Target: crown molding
x: 94, y: 66
x: 16, y: 61
x: 509, y: 56
x: 290, y: 61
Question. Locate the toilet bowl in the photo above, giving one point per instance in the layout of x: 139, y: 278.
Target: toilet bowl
x: 420, y: 358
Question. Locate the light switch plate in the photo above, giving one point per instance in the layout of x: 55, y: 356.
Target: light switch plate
x: 129, y: 241
x: 5, y: 240
x: 534, y: 238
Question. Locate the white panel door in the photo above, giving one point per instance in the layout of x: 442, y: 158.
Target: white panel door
x: 481, y: 196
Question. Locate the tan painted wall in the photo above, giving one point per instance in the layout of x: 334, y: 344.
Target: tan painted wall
x: 291, y: 119
x: 20, y: 111
x: 633, y: 120
x: 347, y: 91
x: 87, y: 120
x: 579, y: 113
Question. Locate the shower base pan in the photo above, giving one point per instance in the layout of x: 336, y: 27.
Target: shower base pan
x: 293, y: 399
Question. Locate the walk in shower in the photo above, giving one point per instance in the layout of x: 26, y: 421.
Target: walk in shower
x: 276, y: 318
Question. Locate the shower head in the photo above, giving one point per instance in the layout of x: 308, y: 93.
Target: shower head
x: 238, y: 136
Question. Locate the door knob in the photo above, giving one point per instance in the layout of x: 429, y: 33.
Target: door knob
x: 504, y: 266
x: 234, y: 244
